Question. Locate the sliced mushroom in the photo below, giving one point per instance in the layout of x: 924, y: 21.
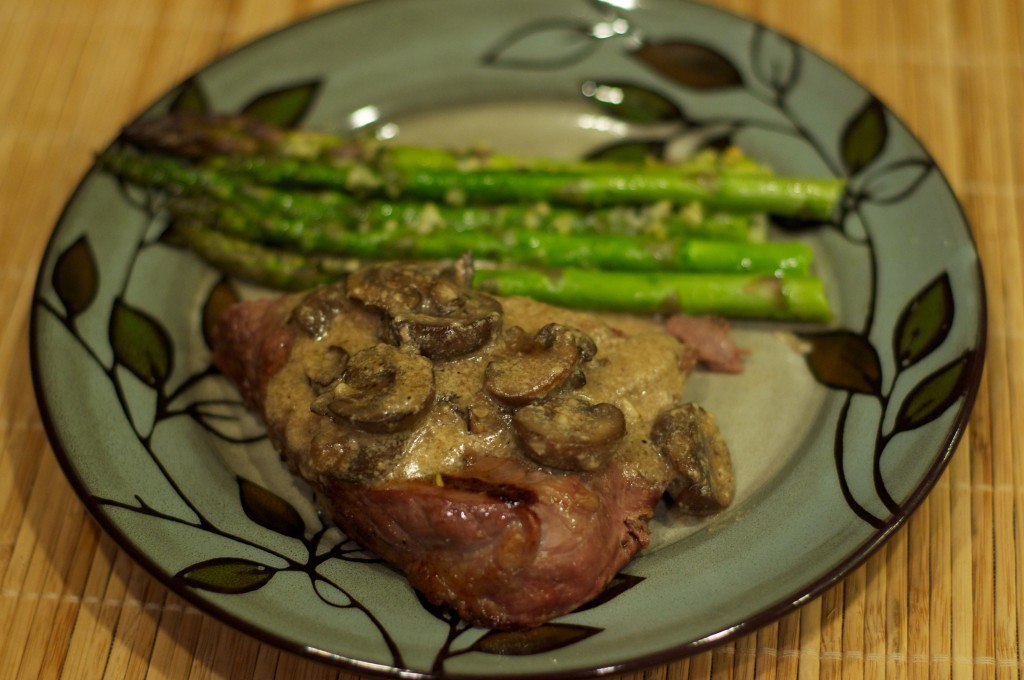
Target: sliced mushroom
x: 429, y: 309
x: 392, y: 285
x: 522, y: 378
x: 540, y: 366
x: 316, y: 311
x: 689, y: 439
x: 556, y: 332
x: 323, y: 368
x: 449, y: 333
x: 382, y: 389
x: 340, y: 451
x: 570, y: 433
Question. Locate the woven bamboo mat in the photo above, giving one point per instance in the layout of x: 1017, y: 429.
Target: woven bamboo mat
x: 944, y: 598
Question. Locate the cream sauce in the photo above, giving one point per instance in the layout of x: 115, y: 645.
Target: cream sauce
x: 637, y: 367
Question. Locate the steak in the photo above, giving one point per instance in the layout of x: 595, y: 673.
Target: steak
x: 497, y: 452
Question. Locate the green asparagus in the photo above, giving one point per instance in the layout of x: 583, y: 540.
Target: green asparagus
x: 292, y: 209
x: 199, y: 136
x: 781, y: 196
x: 660, y: 220
x: 735, y: 295
x: 270, y: 267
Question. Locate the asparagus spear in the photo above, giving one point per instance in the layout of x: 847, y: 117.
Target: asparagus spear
x: 178, y: 178
x: 270, y: 267
x: 705, y: 162
x: 524, y: 246
x: 736, y: 295
x: 198, y: 136
x: 732, y: 295
x: 782, y: 196
x: 657, y: 220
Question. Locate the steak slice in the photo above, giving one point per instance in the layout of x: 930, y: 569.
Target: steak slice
x: 504, y: 543
x: 497, y: 452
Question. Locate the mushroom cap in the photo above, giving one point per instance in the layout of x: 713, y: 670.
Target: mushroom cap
x: 570, y: 433
x: 540, y: 365
x: 382, y: 389
x: 318, y: 308
x: 430, y: 309
x: 689, y: 439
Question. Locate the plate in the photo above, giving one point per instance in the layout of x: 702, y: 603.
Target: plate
x: 837, y: 432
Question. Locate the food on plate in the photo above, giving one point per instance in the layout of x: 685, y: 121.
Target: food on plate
x: 505, y: 454
x: 455, y: 379
x: 293, y: 208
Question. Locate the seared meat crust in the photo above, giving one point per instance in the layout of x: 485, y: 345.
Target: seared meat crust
x: 505, y: 543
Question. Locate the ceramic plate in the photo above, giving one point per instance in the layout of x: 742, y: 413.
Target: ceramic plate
x: 837, y: 432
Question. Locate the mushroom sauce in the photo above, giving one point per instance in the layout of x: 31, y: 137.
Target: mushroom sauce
x: 414, y: 375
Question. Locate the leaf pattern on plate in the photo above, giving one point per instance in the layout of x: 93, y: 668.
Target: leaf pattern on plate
x: 844, y: 360
x: 629, y: 151
x: 690, y: 64
x: 190, y: 99
x: 934, y: 394
x: 285, y: 107
x: 270, y: 510
x: 775, y: 59
x: 75, y: 278
x: 897, y: 181
x: 847, y: 361
x: 617, y: 586
x: 221, y: 296
x: 631, y: 103
x: 925, y: 322
x: 543, y: 45
x: 544, y: 638
x: 141, y: 344
x: 230, y: 575
x: 864, y: 136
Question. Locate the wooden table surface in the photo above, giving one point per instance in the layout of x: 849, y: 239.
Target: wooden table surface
x: 943, y: 598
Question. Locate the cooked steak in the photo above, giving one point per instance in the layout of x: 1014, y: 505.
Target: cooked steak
x: 498, y: 452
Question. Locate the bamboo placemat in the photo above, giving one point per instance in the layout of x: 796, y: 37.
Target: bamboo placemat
x: 943, y: 598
